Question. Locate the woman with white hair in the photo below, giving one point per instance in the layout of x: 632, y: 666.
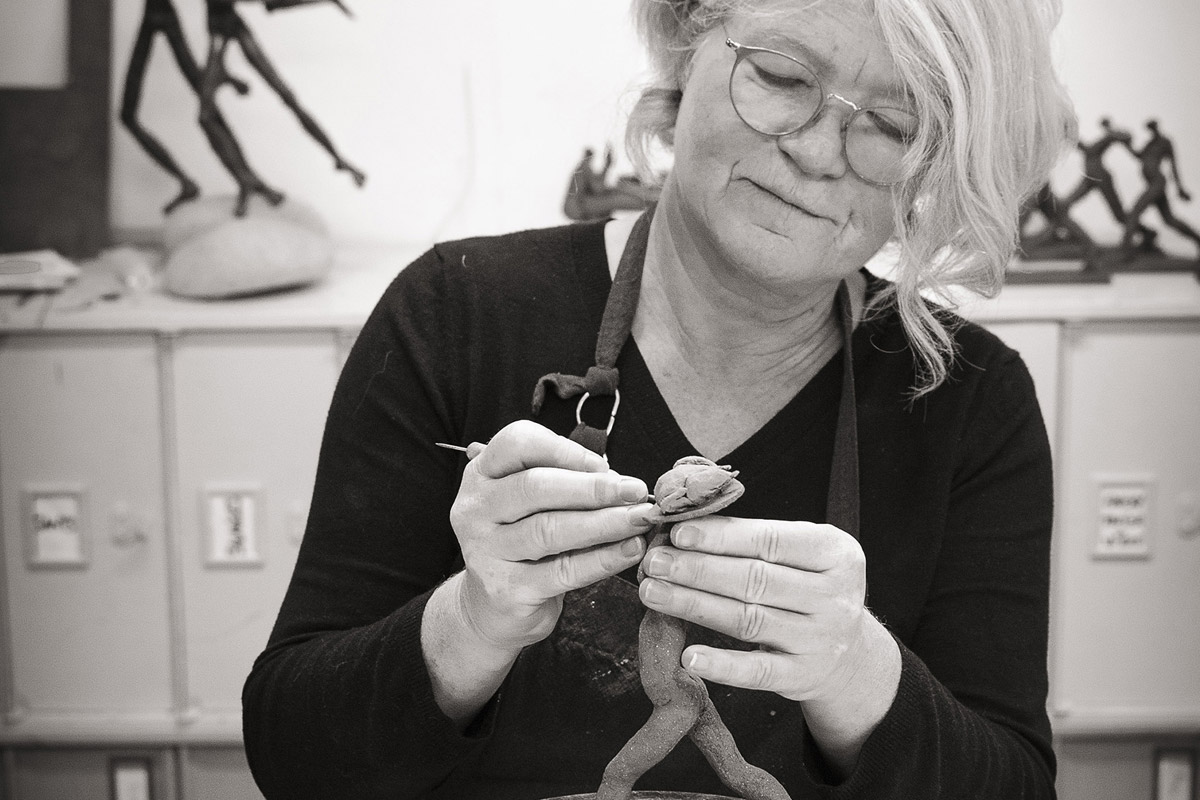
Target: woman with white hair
x: 871, y: 615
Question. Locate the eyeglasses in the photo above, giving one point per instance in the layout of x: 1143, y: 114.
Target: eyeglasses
x: 777, y: 95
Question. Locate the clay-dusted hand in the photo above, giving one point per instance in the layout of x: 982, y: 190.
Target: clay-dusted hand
x: 796, y: 588
x: 538, y: 515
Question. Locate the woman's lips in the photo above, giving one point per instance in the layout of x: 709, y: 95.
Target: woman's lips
x: 791, y: 201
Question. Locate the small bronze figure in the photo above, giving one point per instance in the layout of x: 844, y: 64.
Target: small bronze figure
x: 589, y: 196
x: 1153, y: 155
x: 1096, y: 176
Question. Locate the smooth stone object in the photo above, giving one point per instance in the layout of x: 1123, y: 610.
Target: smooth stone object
x: 212, y: 254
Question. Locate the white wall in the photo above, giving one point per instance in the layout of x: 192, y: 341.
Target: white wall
x: 468, y: 115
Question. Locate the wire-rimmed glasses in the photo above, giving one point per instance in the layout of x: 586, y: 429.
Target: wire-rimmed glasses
x: 777, y: 95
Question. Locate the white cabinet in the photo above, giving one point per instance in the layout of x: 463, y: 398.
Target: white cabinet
x: 1127, y: 633
x: 88, y: 605
x: 248, y: 410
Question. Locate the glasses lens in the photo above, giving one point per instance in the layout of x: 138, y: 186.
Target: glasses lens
x: 877, y: 140
x: 772, y: 93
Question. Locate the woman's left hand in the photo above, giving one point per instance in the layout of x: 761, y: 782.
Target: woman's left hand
x: 797, y: 589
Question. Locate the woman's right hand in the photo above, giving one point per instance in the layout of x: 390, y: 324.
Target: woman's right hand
x: 538, y: 515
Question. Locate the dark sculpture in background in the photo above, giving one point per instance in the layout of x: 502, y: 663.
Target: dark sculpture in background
x: 224, y: 26
x: 1096, y: 176
x: 1154, y: 156
x: 589, y: 195
x: 1061, y: 238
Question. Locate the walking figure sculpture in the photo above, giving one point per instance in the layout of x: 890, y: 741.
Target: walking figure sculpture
x: 1153, y: 155
x: 224, y: 25
x: 1096, y: 176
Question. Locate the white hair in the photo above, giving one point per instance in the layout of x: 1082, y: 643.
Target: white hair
x: 994, y: 118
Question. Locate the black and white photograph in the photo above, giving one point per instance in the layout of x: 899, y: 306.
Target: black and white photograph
x: 599, y: 400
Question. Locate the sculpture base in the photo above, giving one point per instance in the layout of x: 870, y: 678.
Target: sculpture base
x: 214, y: 255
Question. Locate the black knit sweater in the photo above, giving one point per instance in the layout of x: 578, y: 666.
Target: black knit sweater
x: 955, y: 516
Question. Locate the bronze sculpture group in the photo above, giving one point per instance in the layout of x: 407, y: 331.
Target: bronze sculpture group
x: 1063, y: 235
x: 225, y: 25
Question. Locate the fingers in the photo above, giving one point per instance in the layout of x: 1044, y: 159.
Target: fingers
x: 532, y: 494
x: 531, y: 584
x: 788, y: 631
x: 580, y: 568
x: 809, y: 546
x: 756, y: 669
x: 524, y: 444
x: 790, y: 585
x: 517, y: 496
x: 747, y: 580
x: 555, y: 532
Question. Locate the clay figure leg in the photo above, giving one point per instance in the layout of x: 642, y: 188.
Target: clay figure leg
x: 668, y: 724
x: 716, y: 743
x: 258, y: 59
x: 159, y: 19
x: 677, y: 698
x: 221, y: 137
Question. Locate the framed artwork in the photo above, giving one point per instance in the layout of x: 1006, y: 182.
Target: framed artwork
x: 232, y: 517
x: 56, y: 526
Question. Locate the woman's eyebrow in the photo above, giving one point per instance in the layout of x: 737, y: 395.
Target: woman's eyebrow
x: 790, y: 45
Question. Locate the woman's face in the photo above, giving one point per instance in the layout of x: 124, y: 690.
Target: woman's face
x: 783, y: 214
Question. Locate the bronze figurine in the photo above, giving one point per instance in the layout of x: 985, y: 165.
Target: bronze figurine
x: 1154, y: 155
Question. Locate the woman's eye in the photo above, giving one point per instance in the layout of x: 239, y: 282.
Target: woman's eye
x: 895, y: 125
x: 778, y: 79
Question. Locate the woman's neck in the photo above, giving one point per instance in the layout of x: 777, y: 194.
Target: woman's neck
x: 725, y: 361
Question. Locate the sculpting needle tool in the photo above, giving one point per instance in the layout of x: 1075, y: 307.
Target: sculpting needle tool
x: 475, y: 448
x: 472, y: 450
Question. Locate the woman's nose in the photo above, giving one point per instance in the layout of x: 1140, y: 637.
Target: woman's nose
x: 817, y: 148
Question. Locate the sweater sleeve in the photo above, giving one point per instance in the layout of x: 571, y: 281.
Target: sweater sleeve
x: 340, y: 703
x: 969, y: 718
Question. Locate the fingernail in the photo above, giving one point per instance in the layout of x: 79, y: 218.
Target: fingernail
x: 640, y: 515
x: 687, y: 536
x: 631, y: 547
x: 659, y: 563
x: 697, y: 661
x: 654, y: 592
x: 631, y: 490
